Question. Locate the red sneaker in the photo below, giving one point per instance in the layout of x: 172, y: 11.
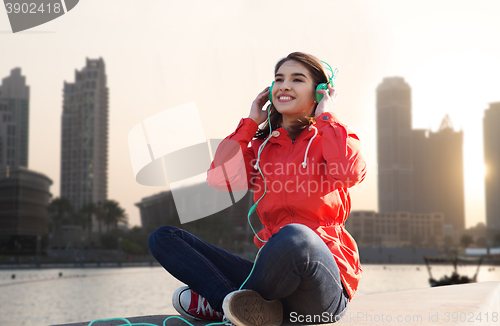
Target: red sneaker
x: 191, y: 305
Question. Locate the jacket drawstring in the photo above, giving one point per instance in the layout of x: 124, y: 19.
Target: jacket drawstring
x: 304, y: 164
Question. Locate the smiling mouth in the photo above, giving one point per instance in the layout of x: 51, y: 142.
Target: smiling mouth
x: 285, y: 98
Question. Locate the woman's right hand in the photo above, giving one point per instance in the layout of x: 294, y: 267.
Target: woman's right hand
x: 256, y: 113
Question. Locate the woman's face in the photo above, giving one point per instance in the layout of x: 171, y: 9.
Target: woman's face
x: 293, y: 90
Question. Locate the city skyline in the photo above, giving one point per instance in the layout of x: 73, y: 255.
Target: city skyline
x: 419, y: 171
x: 186, y: 53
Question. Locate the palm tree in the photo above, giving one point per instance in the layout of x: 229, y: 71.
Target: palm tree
x: 60, y: 211
x: 113, y: 214
x: 107, y: 214
x: 99, y: 216
x: 88, y: 210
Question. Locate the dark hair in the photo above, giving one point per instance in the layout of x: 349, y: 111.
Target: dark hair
x: 318, y: 75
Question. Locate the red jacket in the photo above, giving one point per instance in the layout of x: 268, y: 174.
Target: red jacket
x: 315, y: 195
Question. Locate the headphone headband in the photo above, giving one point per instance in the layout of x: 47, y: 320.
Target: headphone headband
x: 331, y: 79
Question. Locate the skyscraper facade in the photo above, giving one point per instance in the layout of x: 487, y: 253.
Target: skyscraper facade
x: 7, y: 136
x: 438, y: 174
x: 84, y: 142
x: 394, y: 146
x: 15, y: 94
x: 491, y: 135
x: 422, y: 171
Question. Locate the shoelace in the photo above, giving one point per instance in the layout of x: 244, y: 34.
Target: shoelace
x: 227, y: 322
x: 203, y: 307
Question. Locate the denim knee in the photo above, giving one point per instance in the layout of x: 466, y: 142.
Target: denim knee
x: 300, y: 238
x: 161, y: 232
x: 300, y: 235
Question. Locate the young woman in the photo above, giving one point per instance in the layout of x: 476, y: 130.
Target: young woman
x: 308, y: 268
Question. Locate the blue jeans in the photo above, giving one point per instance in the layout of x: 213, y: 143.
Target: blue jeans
x: 295, y: 266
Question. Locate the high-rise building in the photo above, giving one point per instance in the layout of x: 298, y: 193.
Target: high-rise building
x: 491, y: 134
x: 84, y: 142
x: 394, y: 146
x: 438, y: 173
x: 15, y: 94
x: 446, y: 155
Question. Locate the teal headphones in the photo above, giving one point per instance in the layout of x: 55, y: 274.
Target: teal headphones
x: 322, y: 86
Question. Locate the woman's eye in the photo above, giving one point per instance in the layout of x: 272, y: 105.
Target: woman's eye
x: 280, y: 80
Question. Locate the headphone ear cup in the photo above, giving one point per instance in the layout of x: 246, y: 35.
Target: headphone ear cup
x: 322, y: 86
x: 270, y: 95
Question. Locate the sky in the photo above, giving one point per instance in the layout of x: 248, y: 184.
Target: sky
x: 221, y: 54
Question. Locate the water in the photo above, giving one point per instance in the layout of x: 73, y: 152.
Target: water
x: 41, y: 297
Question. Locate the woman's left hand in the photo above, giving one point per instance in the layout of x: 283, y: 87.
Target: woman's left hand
x: 328, y: 102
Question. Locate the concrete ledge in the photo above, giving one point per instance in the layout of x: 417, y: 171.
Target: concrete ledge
x: 465, y: 304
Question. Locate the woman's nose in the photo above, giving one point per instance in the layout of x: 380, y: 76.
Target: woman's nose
x: 284, y: 86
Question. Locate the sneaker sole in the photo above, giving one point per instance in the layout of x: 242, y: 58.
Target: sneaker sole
x: 248, y: 308
x: 177, y: 305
